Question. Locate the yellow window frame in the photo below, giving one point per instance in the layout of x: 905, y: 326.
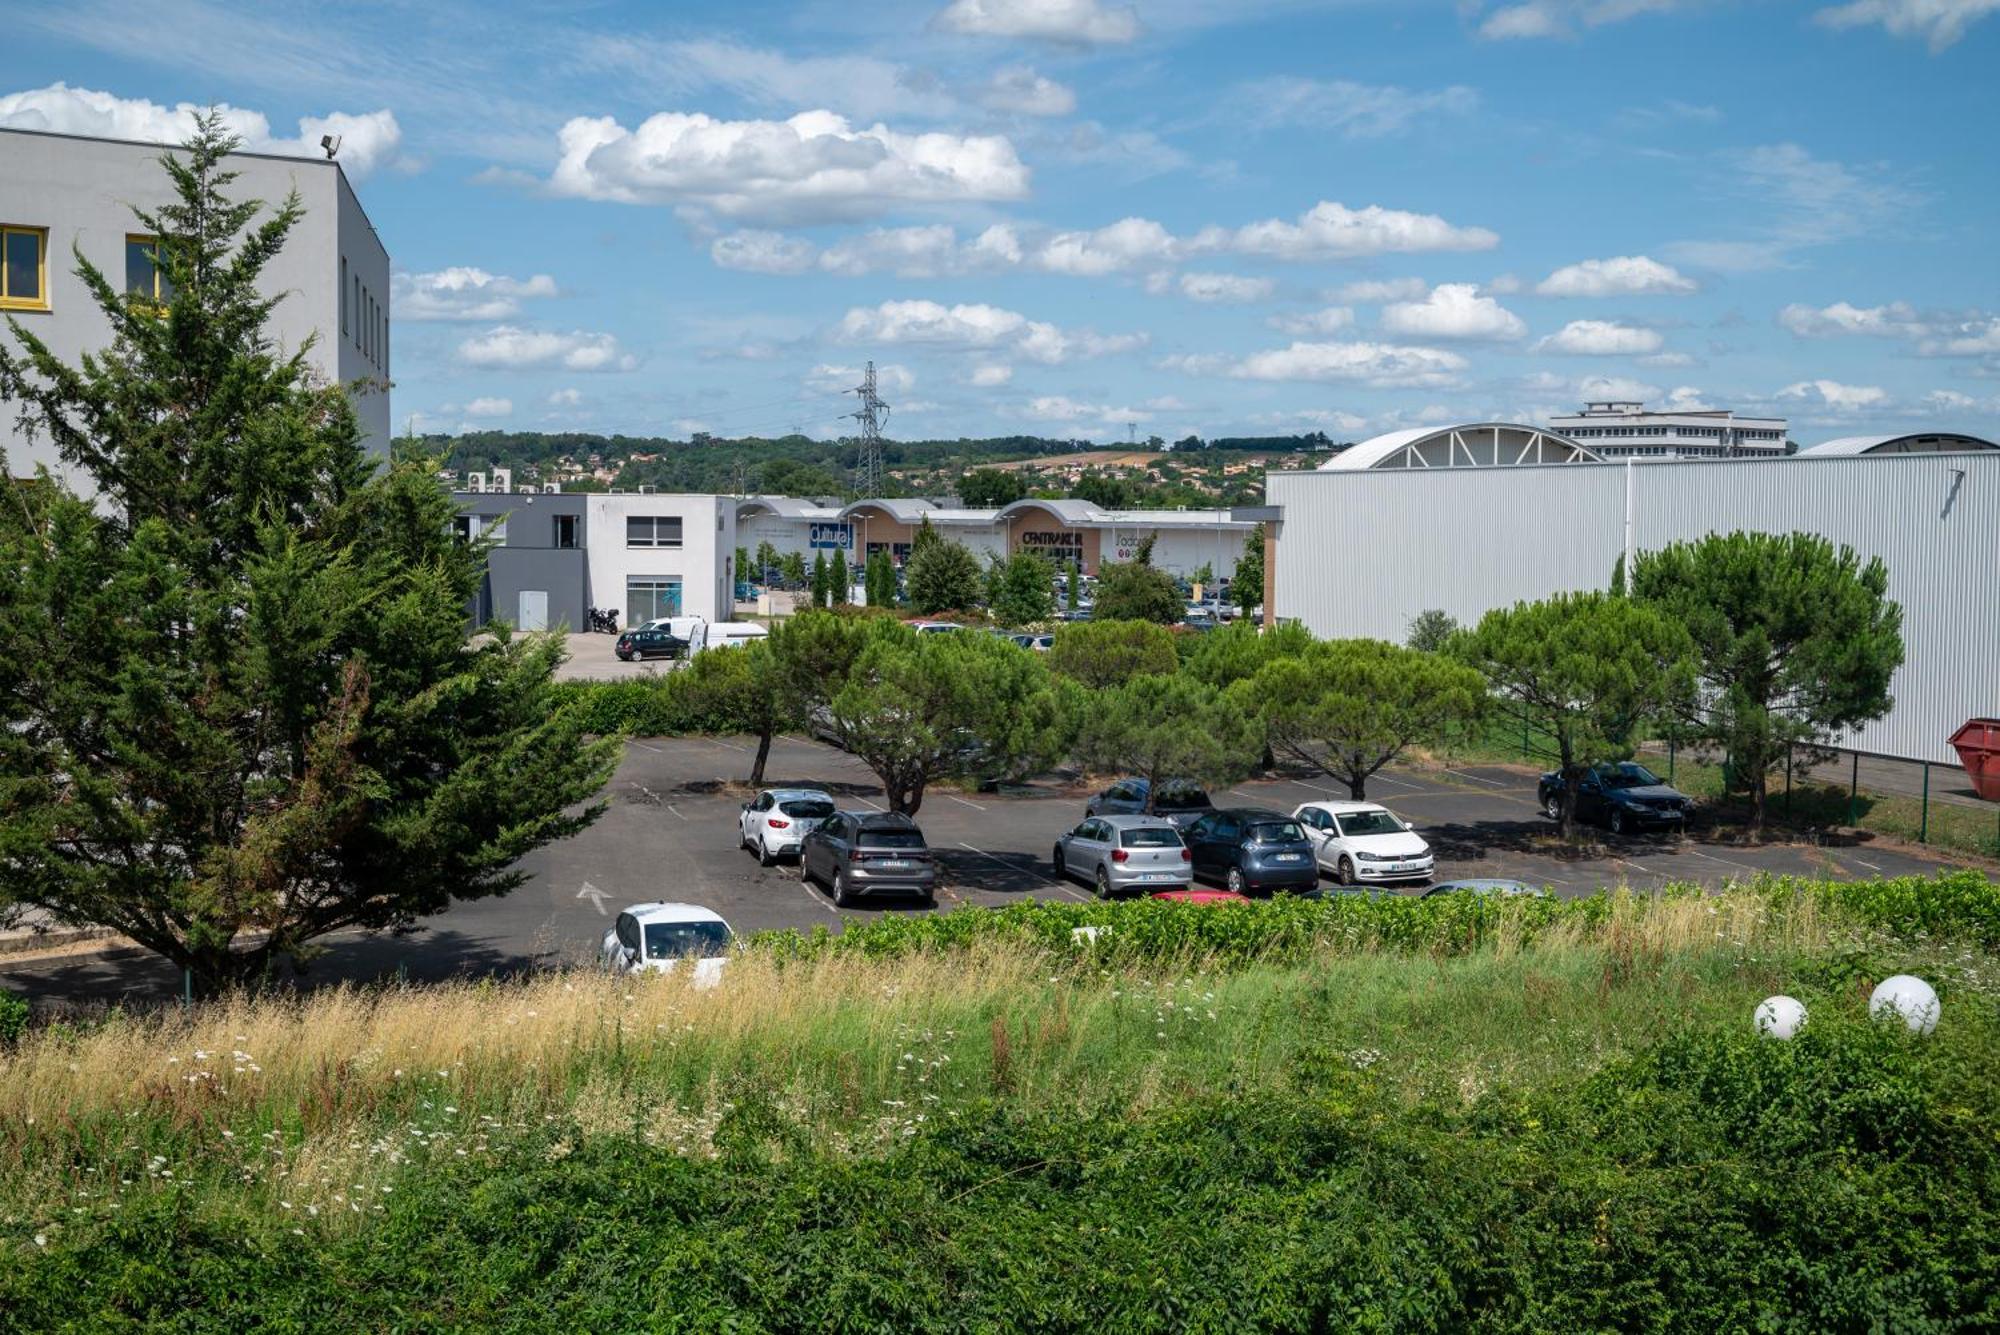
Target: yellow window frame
x: 153, y: 302
x: 41, y: 235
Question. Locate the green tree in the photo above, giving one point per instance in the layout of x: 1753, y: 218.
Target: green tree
x: 1073, y: 586
x: 237, y: 706
x: 915, y: 707
x: 839, y: 584
x: 990, y: 488
x: 817, y: 649
x: 1231, y: 653
x: 767, y: 560
x: 794, y: 568
x: 879, y: 579
x: 1142, y: 555
x: 1021, y: 590
x: 1795, y: 640
x: 1246, y: 585
x: 1348, y: 707
x: 743, y: 689
x: 925, y: 537
x: 1098, y: 654
x: 942, y: 575
x: 1130, y: 591
x: 1585, y: 671
x: 1168, y: 727
x: 1204, y: 575
x: 742, y: 563
x: 820, y: 584
x: 1431, y: 630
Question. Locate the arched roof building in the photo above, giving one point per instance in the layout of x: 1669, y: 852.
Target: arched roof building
x: 1470, y: 445
x: 1914, y: 442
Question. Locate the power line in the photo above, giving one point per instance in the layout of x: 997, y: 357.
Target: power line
x: 872, y: 414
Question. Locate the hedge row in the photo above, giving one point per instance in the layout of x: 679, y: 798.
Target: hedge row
x: 1962, y: 905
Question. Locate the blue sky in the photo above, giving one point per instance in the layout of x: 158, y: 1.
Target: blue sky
x: 1061, y: 216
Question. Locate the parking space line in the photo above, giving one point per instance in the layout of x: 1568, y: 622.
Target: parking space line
x: 1724, y: 861
x: 729, y: 745
x: 1397, y: 783
x: 1493, y: 783
x: 814, y: 895
x: 1864, y: 862
x: 1034, y: 874
x: 962, y: 802
x: 1238, y: 792
x: 676, y: 810
x: 866, y: 803
x: 656, y: 750
x: 1627, y: 862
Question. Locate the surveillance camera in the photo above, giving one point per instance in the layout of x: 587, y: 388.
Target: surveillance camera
x: 331, y: 143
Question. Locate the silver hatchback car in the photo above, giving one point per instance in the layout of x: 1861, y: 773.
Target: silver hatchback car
x: 1120, y: 853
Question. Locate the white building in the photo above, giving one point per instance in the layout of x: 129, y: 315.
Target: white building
x: 1615, y: 430
x: 62, y: 193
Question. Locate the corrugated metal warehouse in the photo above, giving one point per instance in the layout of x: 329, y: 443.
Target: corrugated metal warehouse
x: 1361, y: 551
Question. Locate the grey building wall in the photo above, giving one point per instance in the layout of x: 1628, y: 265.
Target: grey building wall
x: 83, y: 192
x: 1362, y: 553
x: 525, y: 558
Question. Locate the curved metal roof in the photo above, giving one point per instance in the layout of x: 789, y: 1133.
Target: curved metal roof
x: 1909, y: 442
x: 1068, y: 511
x: 1467, y: 445
x: 786, y: 507
x: 902, y: 509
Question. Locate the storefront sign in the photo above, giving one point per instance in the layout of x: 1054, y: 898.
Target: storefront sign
x: 1065, y: 541
x: 830, y: 537
x: 1128, y: 544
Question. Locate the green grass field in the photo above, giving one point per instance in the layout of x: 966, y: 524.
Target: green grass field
x: 1369, y: 1115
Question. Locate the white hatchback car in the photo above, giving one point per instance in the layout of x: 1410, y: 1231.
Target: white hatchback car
x: 1360, y: 842
x: 656, y: 938
x: 774, y: 824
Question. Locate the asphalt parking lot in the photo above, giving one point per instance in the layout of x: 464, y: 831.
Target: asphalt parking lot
x: 669, y: 832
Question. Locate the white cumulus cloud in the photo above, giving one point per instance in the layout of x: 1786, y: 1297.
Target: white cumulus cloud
x: 489, y: 407
x: 890, y: 377
x: 813, y: 167
x: 1326, y: 320
x: 1023, y: 92
x: 1224, y: 287
x: 977, y: 325
x: 1127, y: 243
x: 1384, y: 365
x: 566, y: 398
x: 1073, y: 22
x: 1833, y: 395
x: 1453, y: 310
x: 990, y: 374
x: 1892, y: 320
x: 507, y: 347
x: 757, y: 251
x: 1938, y: 22
x: 464, y: 293
x: 1619, y: 276
x: 1352, y: 110
x: 1331, y: 230
x: 1601, y: 338
x: 1381, y: 289
x: 368, y: 139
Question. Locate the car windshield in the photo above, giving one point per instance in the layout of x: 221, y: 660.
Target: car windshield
x: 1151, y: 837
x: 1276, y: 832
x: 891, y: 839
x: 1354, y: 823
x: 1180, y: 798
x: 807, y: 808
x: 1628, y: 776
x: 678, y: 940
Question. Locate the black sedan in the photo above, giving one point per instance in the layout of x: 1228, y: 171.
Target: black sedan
x: 1250, y: 849
x: 1623, y: 798
x: 637, y: 644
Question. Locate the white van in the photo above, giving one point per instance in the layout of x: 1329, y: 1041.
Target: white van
x: 730, y: 634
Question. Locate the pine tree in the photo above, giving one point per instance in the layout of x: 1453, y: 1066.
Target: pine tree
x: 820, y: 584
x: 839, y: 584
x: 237, y: 706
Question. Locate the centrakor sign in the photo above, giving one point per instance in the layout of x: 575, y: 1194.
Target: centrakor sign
x: 1060, y: 540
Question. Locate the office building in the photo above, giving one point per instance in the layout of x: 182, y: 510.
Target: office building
x: 1616, y: 430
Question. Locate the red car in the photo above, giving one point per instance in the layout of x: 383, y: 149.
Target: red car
x: 1198, y: 896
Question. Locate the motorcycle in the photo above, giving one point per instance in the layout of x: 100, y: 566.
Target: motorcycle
x: 604, y: 619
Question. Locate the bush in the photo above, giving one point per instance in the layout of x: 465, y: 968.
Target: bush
x: 648, y: 708
x: 13, y: 1017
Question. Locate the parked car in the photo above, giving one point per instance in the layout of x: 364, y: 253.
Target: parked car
x: 1118, y: 853
x: 659, y: 937
x: 1621, y: 797
x: 1179, y: 801
x: 1039, y: 643
x: 1360, y: 842
x: 857, y: 853
x: 935, y: 627
x: 642, y: 644
x: 777, y: 820
x: 1489, y: 886
x: 1252, y: 848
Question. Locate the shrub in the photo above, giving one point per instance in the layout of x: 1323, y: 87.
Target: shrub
x: 13, y: 1017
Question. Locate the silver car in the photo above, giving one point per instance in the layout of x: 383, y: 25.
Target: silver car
x: 1120, y: 853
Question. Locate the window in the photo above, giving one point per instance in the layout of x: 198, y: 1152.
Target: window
x: 1152, y: 836
x: 24, y: 269
x: 343, y: 296
x: 647, y: 597
x: 565, y: 531
x: 357, y: 310
x: 652, y: 531
x: 144, y: 278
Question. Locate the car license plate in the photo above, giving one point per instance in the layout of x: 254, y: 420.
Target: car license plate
x: 892, y: 864
x: 1159, y: 876
x: 1288, y: 857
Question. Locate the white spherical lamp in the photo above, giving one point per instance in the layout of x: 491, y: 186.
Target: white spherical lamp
x: 1909, y: 998
x: 1780, y: 1017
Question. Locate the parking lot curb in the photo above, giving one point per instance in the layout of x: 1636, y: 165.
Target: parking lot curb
x: 15, y: 944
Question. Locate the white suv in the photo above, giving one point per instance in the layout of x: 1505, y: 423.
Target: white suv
x: 776, y: 822
x: 656, y: 938
x: 1361, y: 842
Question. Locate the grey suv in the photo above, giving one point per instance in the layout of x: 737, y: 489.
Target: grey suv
x: 1116, y: 853
x: 869, y: 853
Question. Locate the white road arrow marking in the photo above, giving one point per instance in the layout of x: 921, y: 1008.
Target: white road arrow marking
x: 594, y: 895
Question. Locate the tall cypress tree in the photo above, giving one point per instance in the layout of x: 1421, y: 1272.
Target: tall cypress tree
x: 237, y: 706
x: 839, y: 583
x: 820, y: 583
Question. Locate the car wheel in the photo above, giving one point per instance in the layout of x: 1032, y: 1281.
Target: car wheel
x: 1234, y: 880
x: 1103, y: 884
x: 764, y: 858
x: 1617, y: 820
x: 1343, y: 872
x: 840, y: 899
x: 1552, y: 805
x: 1056, y: 861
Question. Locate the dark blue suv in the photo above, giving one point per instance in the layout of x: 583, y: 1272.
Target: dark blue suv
x: 1622, y: 797
x: 1249, y: 849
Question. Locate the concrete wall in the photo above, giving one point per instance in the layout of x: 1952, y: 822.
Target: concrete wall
x: 704, y: 563
x: 1362, y: 553
x: 83, y: 192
